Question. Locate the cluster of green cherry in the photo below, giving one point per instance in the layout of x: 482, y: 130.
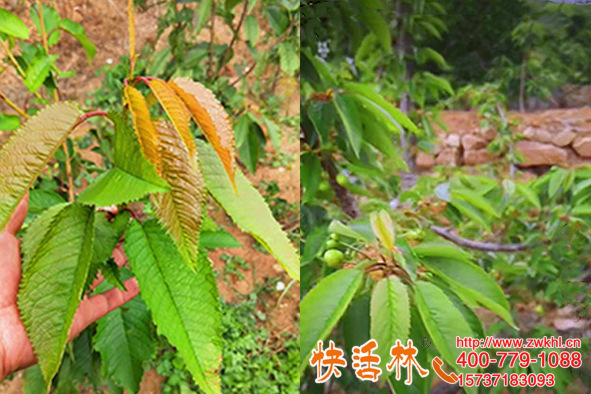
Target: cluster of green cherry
x: 337, y: 251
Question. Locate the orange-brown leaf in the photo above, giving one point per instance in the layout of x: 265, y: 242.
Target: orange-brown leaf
x: 180, y: 210
x: 211, y: 117
x: 176, y: 110
x: 143, y: 125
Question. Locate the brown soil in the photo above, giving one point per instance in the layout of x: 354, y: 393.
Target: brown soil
x: 106, y: 25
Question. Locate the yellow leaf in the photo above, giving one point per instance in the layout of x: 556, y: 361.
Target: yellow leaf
x: 383, y: 228
x: 176, y: 110
x: 180, y: 210
x: 143, y: 125
x: 131, y: 21
x: 211, y: 117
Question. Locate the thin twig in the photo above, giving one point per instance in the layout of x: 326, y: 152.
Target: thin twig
x: 42, y: 26
x: 238, y: 79
x: 45, y: 45
x: 234, y: 39
x: 12, y: 105
x: 211, y: 36
x: 17, y: 66
x: 483, y: 246
x: 69, y: 173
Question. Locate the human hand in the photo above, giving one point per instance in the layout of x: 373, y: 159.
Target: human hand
x: 16, y: 351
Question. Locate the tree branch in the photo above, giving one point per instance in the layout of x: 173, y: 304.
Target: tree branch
x: 483, y: 246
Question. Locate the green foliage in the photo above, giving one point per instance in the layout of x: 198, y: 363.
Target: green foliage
x: 247, y: 209
x: 59, y: 246
x: 322, y: 308
x: 132, y: 176
x: 125, y: 341
x: 390, y: 317
x: 193, y: 328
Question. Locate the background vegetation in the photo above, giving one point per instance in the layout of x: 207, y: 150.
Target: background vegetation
x: 377, y: 75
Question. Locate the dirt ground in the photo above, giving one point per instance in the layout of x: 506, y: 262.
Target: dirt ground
x: 106, y: 25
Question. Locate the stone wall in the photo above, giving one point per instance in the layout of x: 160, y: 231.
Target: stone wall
x: 554, y: 137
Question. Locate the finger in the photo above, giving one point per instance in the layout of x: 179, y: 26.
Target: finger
x: 93, y: 308
x: 10, y: 269
x: 120, y: 259
x: 19, y: 216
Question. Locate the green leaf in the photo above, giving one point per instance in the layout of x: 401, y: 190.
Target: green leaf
x: 38, y: 72
x: 470, y: 282
x: 51, y: 18
x: 184, y: 303
x: 278, y: 19
x: 443, y: 321
x: 273, y: 132
x: 40, y: 200
x: 159, y: 61
x: 339, y: 228
x: 247, y: 209
x: 58, y: 251
x: 217, y: 239
x: 323, y: 306
x: 9, y: 122
x: 369, y: 95
x: 581, y: 210
x: 251, y: 29
x: 33, y: 380
x: 132, y: 177
x: 25, y: 154
x: 250, y: 141
x: 289, y: 59
x: 10, y: 24
x: 203, y: 14
x: 349, y: 115
x: 526, y: 192
x: 475, y: 200
x: 77, y: 31
x: 441, y: 249
x: 556, y: 181
x: 390, y: 317
x: 125, y: 341
x: 107, y: 235
x: 376, y: 23
x: 471, y: 213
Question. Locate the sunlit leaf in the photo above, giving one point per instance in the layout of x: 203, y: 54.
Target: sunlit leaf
x: 143, y: 124
x: 10, y: 24
x: 211, y: 117
x: 248, y: 210
x: 28, y: 150
x: 176, y: 110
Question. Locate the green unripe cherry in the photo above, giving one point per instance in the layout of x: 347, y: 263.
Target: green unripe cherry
x: 334, y: 236
x: 332, y: 244
x: 333, y: 258
x: 342, y: 179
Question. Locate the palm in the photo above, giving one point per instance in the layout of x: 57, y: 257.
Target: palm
x: 16, y: 351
